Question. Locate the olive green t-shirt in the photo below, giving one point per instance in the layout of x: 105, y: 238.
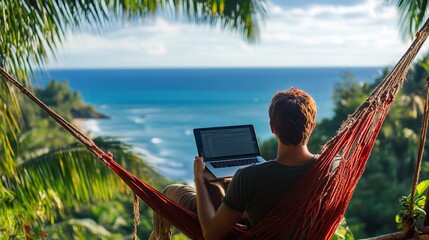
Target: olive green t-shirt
x: 257, y: 189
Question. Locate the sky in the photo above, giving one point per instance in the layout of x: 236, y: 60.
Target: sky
x: 296, y: 33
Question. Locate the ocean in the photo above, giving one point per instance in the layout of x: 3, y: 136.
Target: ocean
x: 155, y: 110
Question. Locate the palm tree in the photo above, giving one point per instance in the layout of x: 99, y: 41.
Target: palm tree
x: 37, y: 189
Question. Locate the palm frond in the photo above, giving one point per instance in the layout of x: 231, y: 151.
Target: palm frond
x: 411, y: 16
x: 8, y: 128
x: 62, y: 180
x: 78, y: 228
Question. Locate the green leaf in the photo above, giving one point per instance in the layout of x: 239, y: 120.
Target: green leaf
x: 398, y: 219
x: 422, y: 187
x: 419, y: 211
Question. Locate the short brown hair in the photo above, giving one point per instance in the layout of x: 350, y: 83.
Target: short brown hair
x: 293, y: 114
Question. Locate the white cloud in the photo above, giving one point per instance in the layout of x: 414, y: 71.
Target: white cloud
x: 364, y: 34
x: 85, y: 44
x: 327, y: 21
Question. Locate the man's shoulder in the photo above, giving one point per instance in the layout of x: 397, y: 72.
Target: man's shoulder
x: 253, y: 175
x: 257, y: 168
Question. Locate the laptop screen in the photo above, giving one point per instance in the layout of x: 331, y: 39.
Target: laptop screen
x: 222, y: 142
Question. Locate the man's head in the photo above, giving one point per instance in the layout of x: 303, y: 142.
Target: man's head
x: 292, y: 116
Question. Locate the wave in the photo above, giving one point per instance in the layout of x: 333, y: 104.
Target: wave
x: 138, y: 120
x: 148, y: 156
x: 168, y: 168
x: 92, y: 125
x: 156, y: 140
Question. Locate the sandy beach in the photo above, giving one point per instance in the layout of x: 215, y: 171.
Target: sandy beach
x: 80, y: 124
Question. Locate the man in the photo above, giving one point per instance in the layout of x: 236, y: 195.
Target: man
x: 254, y: 190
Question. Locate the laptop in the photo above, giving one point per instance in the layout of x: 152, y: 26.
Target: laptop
x: 227, y: 149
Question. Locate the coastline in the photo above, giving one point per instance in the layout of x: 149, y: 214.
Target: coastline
x: 87, y: 127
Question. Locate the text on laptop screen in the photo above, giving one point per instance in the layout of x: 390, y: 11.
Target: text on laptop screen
x: 228, y: 142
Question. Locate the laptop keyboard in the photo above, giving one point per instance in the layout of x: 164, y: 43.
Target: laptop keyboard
x: 234, y: 163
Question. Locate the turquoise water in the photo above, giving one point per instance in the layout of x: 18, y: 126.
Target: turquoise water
x: 155, y: 110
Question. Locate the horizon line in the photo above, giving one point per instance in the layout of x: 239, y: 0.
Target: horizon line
x: 199, y: 67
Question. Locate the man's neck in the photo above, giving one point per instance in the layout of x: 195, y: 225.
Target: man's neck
x: 293, y: 155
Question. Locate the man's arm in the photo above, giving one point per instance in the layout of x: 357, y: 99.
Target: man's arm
x: 214, y: 224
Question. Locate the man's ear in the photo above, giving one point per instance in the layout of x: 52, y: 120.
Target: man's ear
x: 273, y: 129
x: 313, y: 125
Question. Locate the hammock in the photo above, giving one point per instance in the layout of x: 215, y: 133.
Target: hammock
x: 313, y: 208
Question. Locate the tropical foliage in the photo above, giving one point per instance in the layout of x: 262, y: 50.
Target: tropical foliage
x: 418, y: 212
x: 59, y: 187
x: 412, y: 13
x: 343, y: 232
x: 37, y: 131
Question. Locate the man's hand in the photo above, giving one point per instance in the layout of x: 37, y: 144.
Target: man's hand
x: 214, y: 224
x: 199, y: 167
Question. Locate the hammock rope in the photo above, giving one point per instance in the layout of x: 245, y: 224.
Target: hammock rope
x: 313, y: 208
x: 136, y: 215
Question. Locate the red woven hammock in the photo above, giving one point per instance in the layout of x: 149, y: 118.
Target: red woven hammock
x: 313, y: 208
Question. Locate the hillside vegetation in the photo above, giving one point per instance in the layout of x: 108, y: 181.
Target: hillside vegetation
x: 61, y: 191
